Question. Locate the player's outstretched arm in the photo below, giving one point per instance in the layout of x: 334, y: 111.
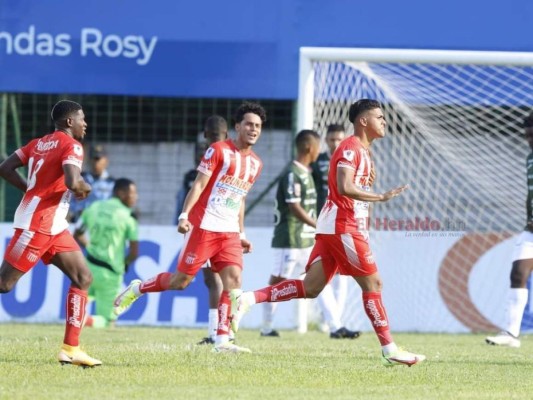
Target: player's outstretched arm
x: 346, y: 187
x: 75, y: 182
x: 8, y: 171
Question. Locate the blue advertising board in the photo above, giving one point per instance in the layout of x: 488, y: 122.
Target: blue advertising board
x: 238, y: 49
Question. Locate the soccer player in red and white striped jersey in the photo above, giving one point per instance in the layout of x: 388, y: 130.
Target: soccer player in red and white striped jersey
x: 54, y: 174
x: 342, y: 234
x: 212, y: 221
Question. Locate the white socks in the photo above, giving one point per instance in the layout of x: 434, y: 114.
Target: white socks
x: 516, y: 302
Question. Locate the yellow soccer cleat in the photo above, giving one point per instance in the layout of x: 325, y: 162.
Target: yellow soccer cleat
x: 75, y: 356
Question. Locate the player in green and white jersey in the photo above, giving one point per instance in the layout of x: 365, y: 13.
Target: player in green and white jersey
x: 110, y: 225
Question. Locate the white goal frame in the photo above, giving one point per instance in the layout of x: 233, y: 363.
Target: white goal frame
x: 340, y: 54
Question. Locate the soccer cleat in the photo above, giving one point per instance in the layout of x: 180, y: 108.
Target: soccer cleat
x: 239, y: 307
x: 206, y: 340
x: 230, y: 348
x: 75, y: 356
x: 343, y: 333
x: 126, y: 298
x: 272, y: 333
x: 401, y: 357
x: 503, y: 339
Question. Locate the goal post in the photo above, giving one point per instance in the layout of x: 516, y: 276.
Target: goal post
x: 454, y: 135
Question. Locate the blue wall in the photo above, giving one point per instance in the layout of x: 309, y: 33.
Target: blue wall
x: 238, y: 49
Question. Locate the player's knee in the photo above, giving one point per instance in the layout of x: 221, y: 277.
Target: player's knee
x: 83, y: 279
x: 5, y: 287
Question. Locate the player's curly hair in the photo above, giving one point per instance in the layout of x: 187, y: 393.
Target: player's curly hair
x: 361, y: 106
x: 63, y: 108
x: 249, y: 107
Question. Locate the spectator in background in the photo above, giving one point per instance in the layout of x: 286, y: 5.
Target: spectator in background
x: 98, y: 177
x: 111, y: 225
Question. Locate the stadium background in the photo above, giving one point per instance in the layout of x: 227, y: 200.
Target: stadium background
x: 147, y: 108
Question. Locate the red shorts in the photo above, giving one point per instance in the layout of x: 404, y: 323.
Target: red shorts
x: 348, y: 254
x: 26, y: 248
x: 221, y: 248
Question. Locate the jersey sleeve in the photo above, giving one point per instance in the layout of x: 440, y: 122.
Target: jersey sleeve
x: 24, y: 152
x: 348, y: 157
x: 132, y: 232
x: 210, y: 160
x: 291, y: 188
x: 73, y: 154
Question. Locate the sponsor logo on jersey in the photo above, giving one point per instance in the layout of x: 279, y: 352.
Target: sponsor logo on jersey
x: 234, y: 182
x: 46, y: 146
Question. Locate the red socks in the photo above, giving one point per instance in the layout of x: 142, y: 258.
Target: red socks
x: 224, y: 307
x: 76, y: 303
x: 283, y: 291
x: 158, y: 283
x: 378, y: 317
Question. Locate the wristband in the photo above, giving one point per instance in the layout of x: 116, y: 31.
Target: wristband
x: 183, y: 215
x: 242, y: 236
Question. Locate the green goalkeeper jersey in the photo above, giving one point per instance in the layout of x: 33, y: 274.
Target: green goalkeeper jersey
x: 529, y: 202
x: 110, y: 225
x: 296, y: 186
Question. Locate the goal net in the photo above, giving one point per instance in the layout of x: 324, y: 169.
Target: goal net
x: 454, y: 135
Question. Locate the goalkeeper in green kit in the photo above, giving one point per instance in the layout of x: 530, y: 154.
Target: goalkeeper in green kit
x: 110, y: 225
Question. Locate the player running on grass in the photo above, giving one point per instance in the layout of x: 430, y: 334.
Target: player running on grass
x: 54, y: 174
x: 212, y: 220
x: 342, y: 235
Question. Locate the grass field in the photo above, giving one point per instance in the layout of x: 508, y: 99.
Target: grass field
x: 163, y: 363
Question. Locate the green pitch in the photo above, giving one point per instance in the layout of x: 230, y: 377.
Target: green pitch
x: 163, y: 363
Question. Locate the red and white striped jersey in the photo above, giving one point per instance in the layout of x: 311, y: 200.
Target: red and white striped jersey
x: 45, y: 204
x: 232, y: 176
x: 342, y: 214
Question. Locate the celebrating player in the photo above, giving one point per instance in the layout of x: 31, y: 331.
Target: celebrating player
x: 54, y: 167
x: 342, y: 235
x: 212, y: 220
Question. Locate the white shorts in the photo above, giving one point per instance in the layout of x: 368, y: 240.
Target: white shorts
x: 523, y: 248
x: 288, y: 262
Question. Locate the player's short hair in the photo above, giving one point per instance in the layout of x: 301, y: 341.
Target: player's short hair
x: 361, y: 106
x: 528, y: 121
x: 216, y: 123
x: 63, y: 108
x: 249, y: 107
x: 122, y: 184
x: 335, y: 128
x: 304, y: 137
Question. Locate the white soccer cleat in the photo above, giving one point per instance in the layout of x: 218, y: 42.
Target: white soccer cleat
x: 503, y: 339
x: 239, y: 307
x: 75, y: 356
x: 230, y: 348
x: 402, y: 357
x: 126, y: 298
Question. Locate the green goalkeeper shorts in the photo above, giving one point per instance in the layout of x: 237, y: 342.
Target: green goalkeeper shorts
x: 105, y: 287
